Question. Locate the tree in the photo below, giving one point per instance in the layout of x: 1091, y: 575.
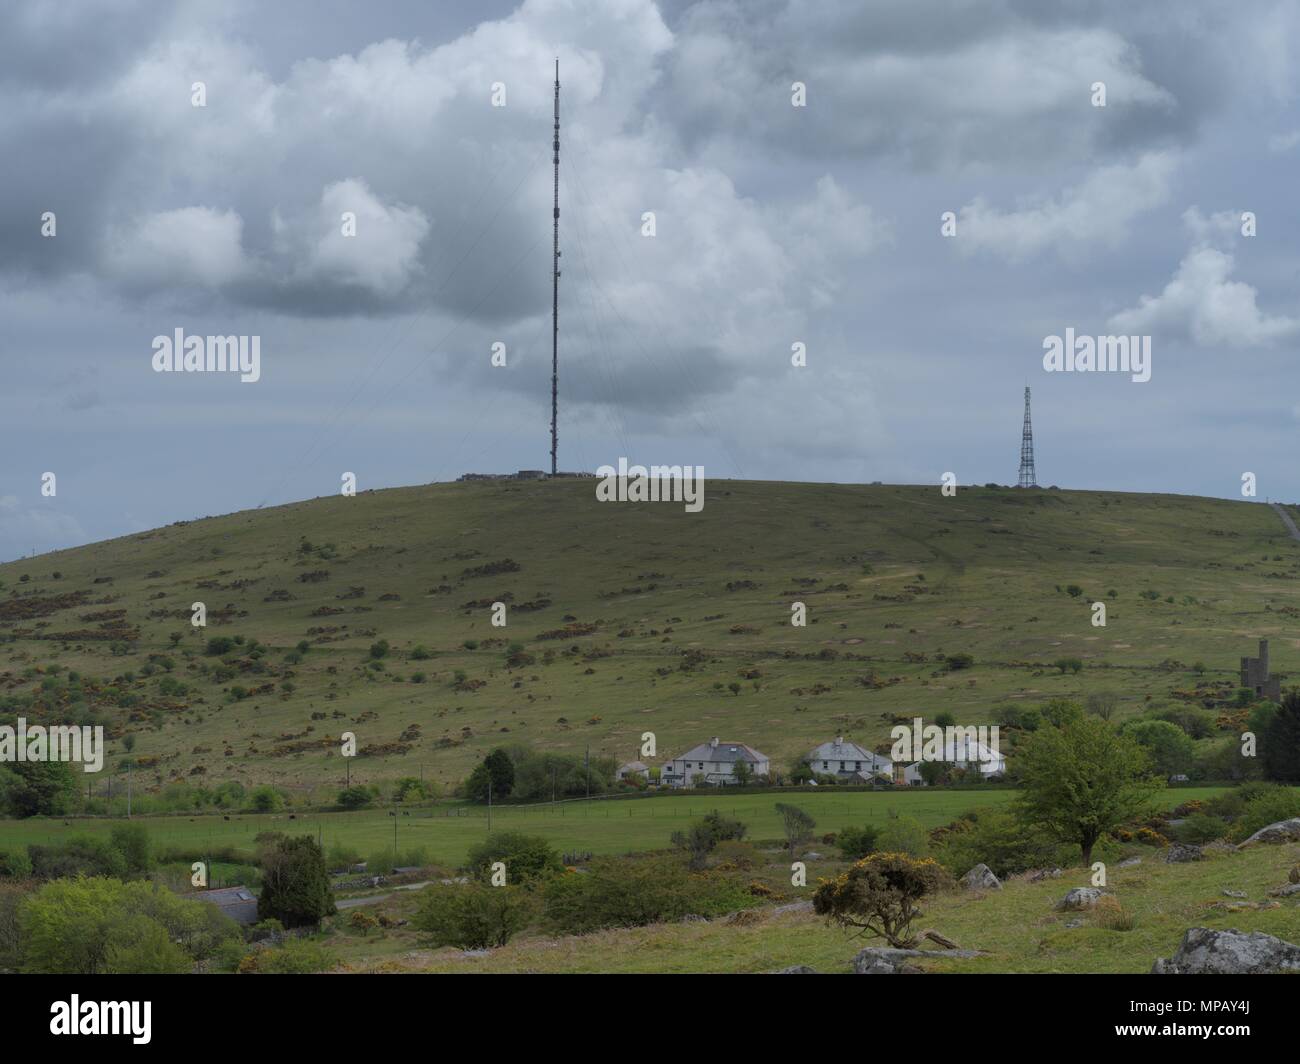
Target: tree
x: 934, y: 772
x: 1171, y: 749
x: 1102, y: 704
x: 295, y: 883
x: 473, y: 915
x: 132, y: 842
x: 856, y: 843
x: 742, y: 773
x: 497, y: 769
x: 526, y: 857
x: 37, y: 788
x: 97, y: 924
x: 1281, y: 743
x: 1080, y: 780
x: 800, y: 771
x: 357, y: 797
x: 881, y: 894
x: 700, y: 840
x: 798, y: 826
x: 903, y: 834
x: 266, y: 799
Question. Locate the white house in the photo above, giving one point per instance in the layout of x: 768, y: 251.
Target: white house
x: 965, y: 750
x: 713, y: 762
x: 849, y: 761
x: 633, y: 768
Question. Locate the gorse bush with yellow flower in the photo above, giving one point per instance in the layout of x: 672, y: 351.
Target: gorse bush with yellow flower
x: 881, y: 894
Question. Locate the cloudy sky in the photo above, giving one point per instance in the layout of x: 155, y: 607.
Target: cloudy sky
x: 774, y: 224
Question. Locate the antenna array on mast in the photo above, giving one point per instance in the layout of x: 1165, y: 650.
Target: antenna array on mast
x: 555, y: 279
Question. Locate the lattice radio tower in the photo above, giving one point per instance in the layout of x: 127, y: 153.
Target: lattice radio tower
x: 1028, y: 478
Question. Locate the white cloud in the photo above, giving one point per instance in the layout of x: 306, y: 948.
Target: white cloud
x: 1100, y: 210
x: 382, y: 256
x: 191, y: 245
x: 1202, y: 303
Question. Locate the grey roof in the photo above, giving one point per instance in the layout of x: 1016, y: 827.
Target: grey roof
x: 723, y: 752
x: 239, y: 903
x: 833, y: 751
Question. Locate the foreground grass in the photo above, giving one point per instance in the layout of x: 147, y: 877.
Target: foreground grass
x: 1017, y: 926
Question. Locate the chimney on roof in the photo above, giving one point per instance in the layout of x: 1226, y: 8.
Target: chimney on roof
x: 714, y: 742
x: 839, y: 740
x: 1263, y: 657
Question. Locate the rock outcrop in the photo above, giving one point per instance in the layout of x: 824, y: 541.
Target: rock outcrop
x: 881, y: 960
x: 981, y: 877
x: 1080, y: 898
x: 1205, y: 951
x: 1282, y: 831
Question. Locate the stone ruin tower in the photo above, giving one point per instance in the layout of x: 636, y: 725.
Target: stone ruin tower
x: 1255, y: 677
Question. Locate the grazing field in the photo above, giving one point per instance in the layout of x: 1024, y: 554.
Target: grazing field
x: 601, y: 827
x: 624, y: 619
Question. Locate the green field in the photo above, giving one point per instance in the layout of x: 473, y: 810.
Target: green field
x: 658, y: 611
x: 601, y: 827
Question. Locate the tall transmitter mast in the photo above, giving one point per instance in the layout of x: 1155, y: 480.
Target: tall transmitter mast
x: 555, y: 279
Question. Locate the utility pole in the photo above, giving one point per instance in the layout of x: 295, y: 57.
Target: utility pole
x: 588, y: 760
x: 555, y: 279
x: 128, y: 789
x: 489, y: 806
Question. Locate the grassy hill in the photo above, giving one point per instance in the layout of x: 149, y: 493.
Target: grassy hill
x: 631, y: 618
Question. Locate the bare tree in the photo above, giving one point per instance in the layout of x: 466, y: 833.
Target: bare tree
x: 1103, y: 704
x: 798, y: 826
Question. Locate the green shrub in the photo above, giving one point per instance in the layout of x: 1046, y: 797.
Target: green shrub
x: 635, y: 891
x: 526, y: 857
x: 856, y: 843
x: 357, y: 797
x: 473, y: 915
x: 903, y: 834
x: 1265, y: 804
x: 1200, y: 828
x: 266, y: 799
x: 92, y: 925
x: 997, y: 838
x: 300, y: 956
